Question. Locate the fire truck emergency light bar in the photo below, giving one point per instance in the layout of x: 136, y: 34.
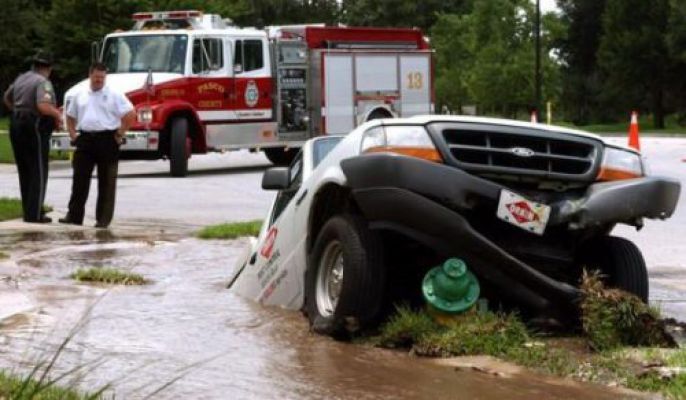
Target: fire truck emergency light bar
x: 143, y: 16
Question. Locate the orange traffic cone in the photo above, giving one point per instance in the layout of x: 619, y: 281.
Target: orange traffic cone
x: 633, y: 132
x: 534, y: 117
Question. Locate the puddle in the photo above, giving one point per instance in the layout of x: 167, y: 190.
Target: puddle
x: 186, y: 325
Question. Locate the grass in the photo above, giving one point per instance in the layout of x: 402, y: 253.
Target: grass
x: 17, y: 388
x: 3, y: 255
x: 107, y: 275
x: 7, y: 155
x: 612, y: 320
x: 10, y: 209
x: 231, y: 230
x: 4, y: 124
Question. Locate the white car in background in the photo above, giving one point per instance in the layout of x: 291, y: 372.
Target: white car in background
x: 358, y: 219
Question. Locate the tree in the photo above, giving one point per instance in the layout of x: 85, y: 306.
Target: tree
x: 18, y: 38
x: 581, y: 76
x: 486, y: 58
x: 400, y: 13
x: 634, y: 57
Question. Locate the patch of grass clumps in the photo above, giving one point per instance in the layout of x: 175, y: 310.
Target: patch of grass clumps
x: 108, y: 275
x: 468, y: 334
x: 17, y: 388
x: 613, y: 318
x: 231, y: 230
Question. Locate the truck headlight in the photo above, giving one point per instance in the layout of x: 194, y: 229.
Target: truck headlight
x: 145, y: 115
x: 620, y: 164
x: 413, y: 141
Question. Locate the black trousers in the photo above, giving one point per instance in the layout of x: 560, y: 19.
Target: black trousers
x: 30, y: 137
x: 94, y: 149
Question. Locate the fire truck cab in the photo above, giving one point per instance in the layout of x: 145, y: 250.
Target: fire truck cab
x: 200, y: 84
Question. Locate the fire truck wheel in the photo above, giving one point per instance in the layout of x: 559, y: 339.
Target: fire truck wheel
x: 280, y: 156
x: 178, y: 147
x: 620, y: 263
x: 345, y: 277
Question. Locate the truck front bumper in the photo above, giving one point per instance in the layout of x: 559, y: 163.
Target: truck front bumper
x: 429, y: 202
x: 135, y: 141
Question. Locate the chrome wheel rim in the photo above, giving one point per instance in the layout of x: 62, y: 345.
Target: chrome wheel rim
x: 330, y: 278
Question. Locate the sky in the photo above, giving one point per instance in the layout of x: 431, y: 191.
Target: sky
x: 548, y: 5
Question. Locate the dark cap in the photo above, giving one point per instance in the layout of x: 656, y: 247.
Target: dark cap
x: 42, y: 58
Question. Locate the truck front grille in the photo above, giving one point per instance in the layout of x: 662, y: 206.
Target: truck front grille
x: 522, y: 152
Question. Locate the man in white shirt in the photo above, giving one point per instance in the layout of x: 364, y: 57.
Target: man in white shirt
x: 101, y: 116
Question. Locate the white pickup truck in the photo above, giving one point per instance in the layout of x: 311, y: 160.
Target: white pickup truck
x: 358, y: 219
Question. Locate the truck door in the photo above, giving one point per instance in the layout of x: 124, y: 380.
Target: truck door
x: 253, y: 80
x: 212, y: 85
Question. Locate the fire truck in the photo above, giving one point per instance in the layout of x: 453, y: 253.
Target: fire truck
x: 201, y: 84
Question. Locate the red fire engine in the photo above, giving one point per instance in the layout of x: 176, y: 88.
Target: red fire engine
x: 200, y: 84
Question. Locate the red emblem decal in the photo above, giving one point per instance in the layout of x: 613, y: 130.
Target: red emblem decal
x: 522, y: 212
x: 266, y: 251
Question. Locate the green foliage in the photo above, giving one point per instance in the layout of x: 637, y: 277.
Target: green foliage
x: 634, y: 57
x: 231, y: 230
x: 400, y: 13
x: 486, y: 58
x: 10, y: 209
x: 107, y: 275
x: 17, y: 388
x: 612, y: 318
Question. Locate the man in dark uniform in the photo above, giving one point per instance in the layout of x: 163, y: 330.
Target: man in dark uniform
x: 34, y: 116
x: 101, y: 116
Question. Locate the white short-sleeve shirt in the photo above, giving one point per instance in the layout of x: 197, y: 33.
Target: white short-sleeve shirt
x: 98, y: 111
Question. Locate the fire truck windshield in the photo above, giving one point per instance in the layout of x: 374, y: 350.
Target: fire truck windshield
x: 159, y: 53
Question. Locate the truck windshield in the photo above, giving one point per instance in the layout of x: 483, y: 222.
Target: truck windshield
x: 159, y: 53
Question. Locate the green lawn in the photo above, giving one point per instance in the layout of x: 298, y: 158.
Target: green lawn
x: 10, y: 209
x: 7, y: 156
x: 645, y: 124
x: 4, y: 124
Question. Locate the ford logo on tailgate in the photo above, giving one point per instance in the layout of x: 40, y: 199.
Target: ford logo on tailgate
x: 522, y: 152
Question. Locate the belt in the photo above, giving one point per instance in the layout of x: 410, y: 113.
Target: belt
x: 105, y: 132
x: 23, y: 113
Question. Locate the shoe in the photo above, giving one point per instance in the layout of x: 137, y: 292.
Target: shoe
x: 67, y: 220
x: 101, y: 226
x: 42, y: 220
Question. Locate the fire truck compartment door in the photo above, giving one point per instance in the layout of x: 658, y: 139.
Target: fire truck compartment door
x: 415, y: 94
x: 339, y: 93
x: 376, y: 73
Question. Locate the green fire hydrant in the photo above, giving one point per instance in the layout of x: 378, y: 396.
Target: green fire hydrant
x: 450, y: 288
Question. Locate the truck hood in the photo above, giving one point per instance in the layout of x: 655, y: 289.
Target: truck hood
x: 124, y: 82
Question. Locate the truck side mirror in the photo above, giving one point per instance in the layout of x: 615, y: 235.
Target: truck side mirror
x: 276, y: 178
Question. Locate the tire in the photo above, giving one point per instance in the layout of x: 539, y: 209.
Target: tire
x: 621, y: 262
x: 378, y: 114
x: 345, y: 239
x: 280, y: 156
x: 178, y: 147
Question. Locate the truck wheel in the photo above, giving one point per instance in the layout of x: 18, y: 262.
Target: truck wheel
x: 280, y: 156
x: 379, y: 114
x: 345, y: 277
x: 621, y: 262
x: 178, y: 147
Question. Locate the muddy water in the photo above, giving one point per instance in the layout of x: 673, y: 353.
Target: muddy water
x: 186, y: 328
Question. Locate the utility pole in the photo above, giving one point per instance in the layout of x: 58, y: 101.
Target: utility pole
x: 537, y: 72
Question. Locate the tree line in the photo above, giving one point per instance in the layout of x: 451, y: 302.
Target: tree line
x: 600, y: 58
